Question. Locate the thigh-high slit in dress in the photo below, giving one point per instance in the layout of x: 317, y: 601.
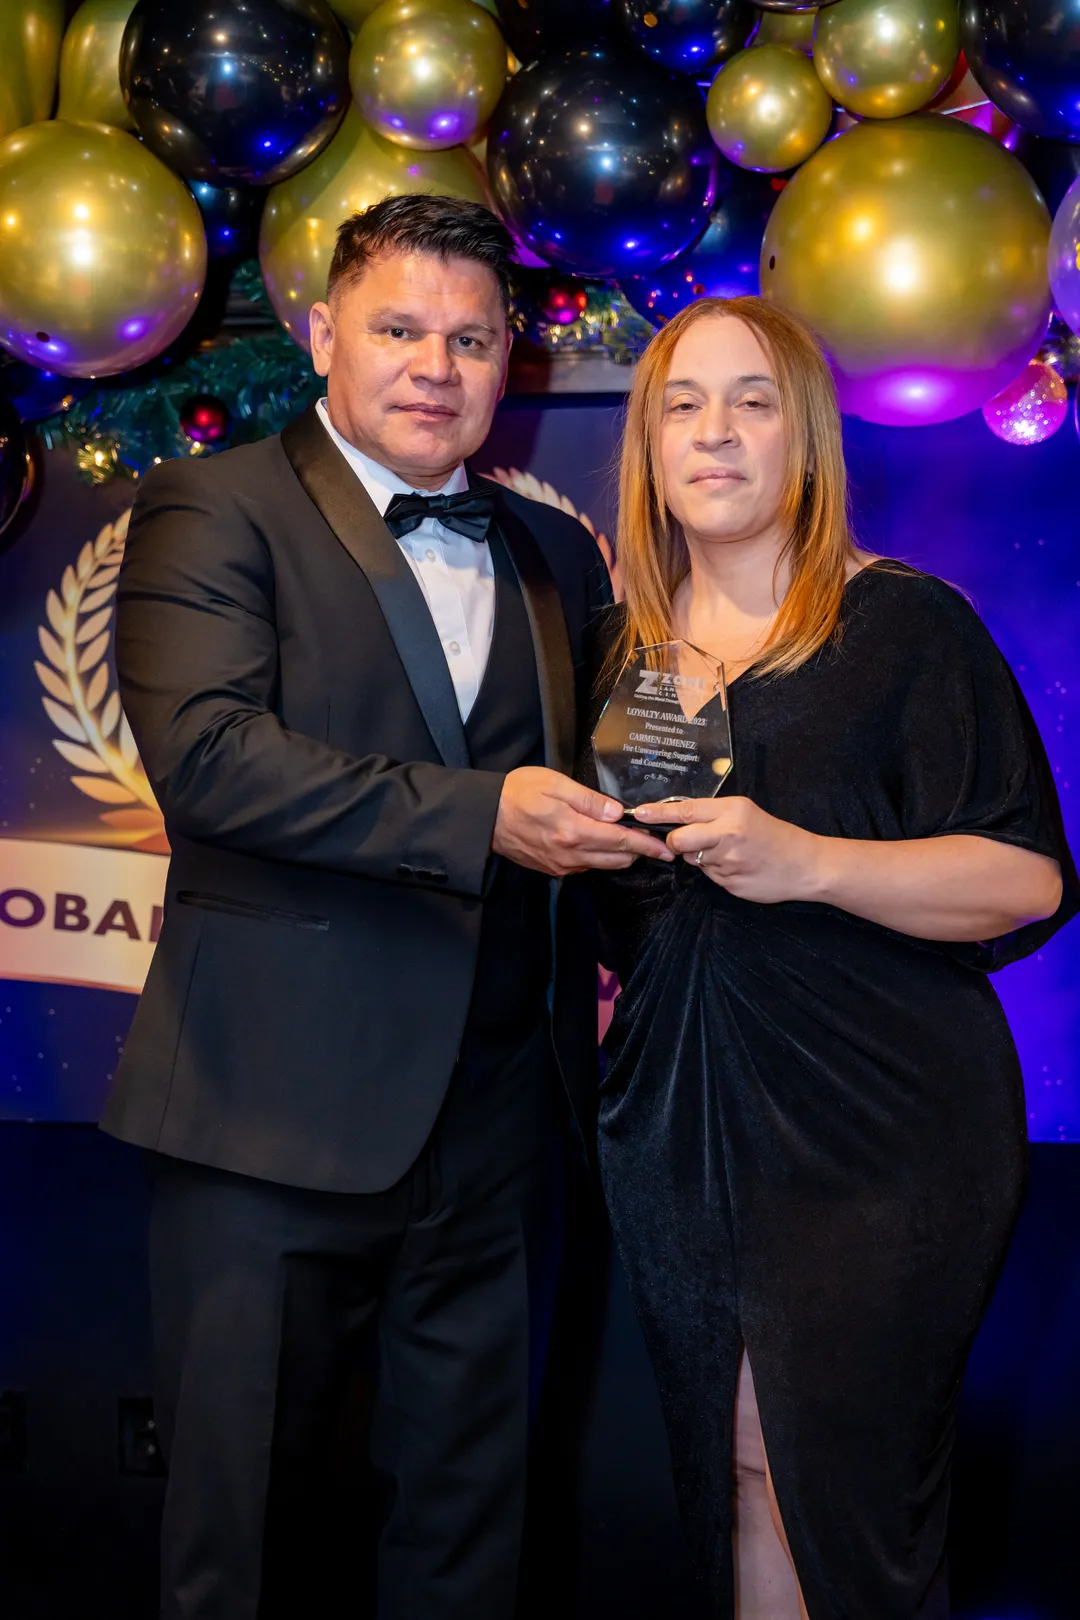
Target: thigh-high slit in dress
x: 812, y: 1127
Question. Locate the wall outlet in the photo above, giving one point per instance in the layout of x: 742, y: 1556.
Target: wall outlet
x: 139, y: 1450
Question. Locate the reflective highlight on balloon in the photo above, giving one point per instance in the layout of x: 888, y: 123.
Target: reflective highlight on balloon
x: 428, y: 73
x: 243, y: 95
x: 301, y: 217
x: 886, y: 58
x: 102, y: 251
x: 1031, y: 408
x: 767, y: 109
x: 90, y: 64
x: 916, y: 250
x: 600, y: 161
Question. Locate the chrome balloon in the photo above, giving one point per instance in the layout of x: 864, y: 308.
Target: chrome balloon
x: 916, y: 249
x: 30, y: 34
x: 600, y: 161
x: 102, y: 251
x: 687, y: 35
x: 721, y: 264
x: 90, y: 64
x: 428, y: 73
x: 301, y: 217
x: 886, y: 58
x: 1026, y: 56
x: 767, y: 109
x: 241, y: 94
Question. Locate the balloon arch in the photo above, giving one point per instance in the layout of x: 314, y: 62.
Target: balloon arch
x: 903, y: 173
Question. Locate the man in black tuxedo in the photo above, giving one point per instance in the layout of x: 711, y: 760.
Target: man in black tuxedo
x: 353, y: 672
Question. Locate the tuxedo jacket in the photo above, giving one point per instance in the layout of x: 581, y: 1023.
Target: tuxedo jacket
x: 331, y: 840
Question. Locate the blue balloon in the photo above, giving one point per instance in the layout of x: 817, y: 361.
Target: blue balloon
x: 600, y: 160
x: 723, y: 263
x: 230, y: 215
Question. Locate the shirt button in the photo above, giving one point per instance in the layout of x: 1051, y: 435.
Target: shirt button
x: 429, y: 554
x: 455, y: 647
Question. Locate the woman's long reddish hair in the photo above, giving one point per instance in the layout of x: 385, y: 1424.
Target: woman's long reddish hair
x: 652, y: 553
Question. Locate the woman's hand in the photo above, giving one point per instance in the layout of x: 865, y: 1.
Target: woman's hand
x: 957, y: 887
x: 742, y: 848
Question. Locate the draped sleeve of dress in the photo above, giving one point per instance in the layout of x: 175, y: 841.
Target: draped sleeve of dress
x: 812, y: 1127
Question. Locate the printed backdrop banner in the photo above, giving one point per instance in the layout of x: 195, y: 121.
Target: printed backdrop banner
x: 83, y: 853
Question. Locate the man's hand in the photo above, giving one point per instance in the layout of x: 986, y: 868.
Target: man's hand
x: 554, y: 825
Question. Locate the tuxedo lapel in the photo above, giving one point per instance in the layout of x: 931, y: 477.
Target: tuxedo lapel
x: 331, y: 484
x: 551, y: 643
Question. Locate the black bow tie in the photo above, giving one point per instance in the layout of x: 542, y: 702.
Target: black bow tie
x: 469, y: 513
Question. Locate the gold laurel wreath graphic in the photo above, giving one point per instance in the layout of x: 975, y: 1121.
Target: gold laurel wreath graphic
x: 95, y: 735
x: 526, y: 483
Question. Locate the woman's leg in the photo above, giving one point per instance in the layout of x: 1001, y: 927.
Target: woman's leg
x: 765, y: 1584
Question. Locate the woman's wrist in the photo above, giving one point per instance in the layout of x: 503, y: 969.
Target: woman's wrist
x: 821, y: 868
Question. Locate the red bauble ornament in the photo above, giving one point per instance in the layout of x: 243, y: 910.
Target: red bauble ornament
x: 563, y: 302
x: 205, y: 419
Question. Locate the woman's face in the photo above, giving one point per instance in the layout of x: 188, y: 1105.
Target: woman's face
x: 723, y: 445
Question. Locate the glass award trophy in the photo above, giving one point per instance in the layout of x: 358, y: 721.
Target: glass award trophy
x: 664, y: 732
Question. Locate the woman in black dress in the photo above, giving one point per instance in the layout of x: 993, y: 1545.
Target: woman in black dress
x: 812, y: 1121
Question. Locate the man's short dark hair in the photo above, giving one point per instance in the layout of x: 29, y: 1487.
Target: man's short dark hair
x: 445, y: 227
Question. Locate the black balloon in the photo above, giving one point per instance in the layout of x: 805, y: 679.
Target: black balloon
x: 237, y: 94
x: 37, y: 394
x: 231, y: 217
x: 14, y: 463
x: 1053, y: 165
x: 687, y: 35
x: 1026, y: 56
x: 601, y: 160
x: 721, y: 264
x: 534, y: 26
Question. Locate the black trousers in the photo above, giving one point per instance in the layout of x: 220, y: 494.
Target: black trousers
x: 268, y: 1301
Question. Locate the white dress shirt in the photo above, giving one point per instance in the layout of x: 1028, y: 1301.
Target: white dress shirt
x: 455, y: 573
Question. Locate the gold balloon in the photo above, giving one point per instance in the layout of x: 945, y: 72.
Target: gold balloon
x: 428, y: 73
x: 916, y: 249
x: 355, y: 13
x: 302, y: 214
x: 30, y: 34
x: 886, y: 58
x: 768, y: 109
x: 102, y: 249
x: 90, y: 64
x: 786, y: 28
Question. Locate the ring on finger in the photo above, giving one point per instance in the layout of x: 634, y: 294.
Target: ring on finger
x: 699, y: 857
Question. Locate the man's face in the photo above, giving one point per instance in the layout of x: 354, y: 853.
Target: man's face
x: 414, y: 353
